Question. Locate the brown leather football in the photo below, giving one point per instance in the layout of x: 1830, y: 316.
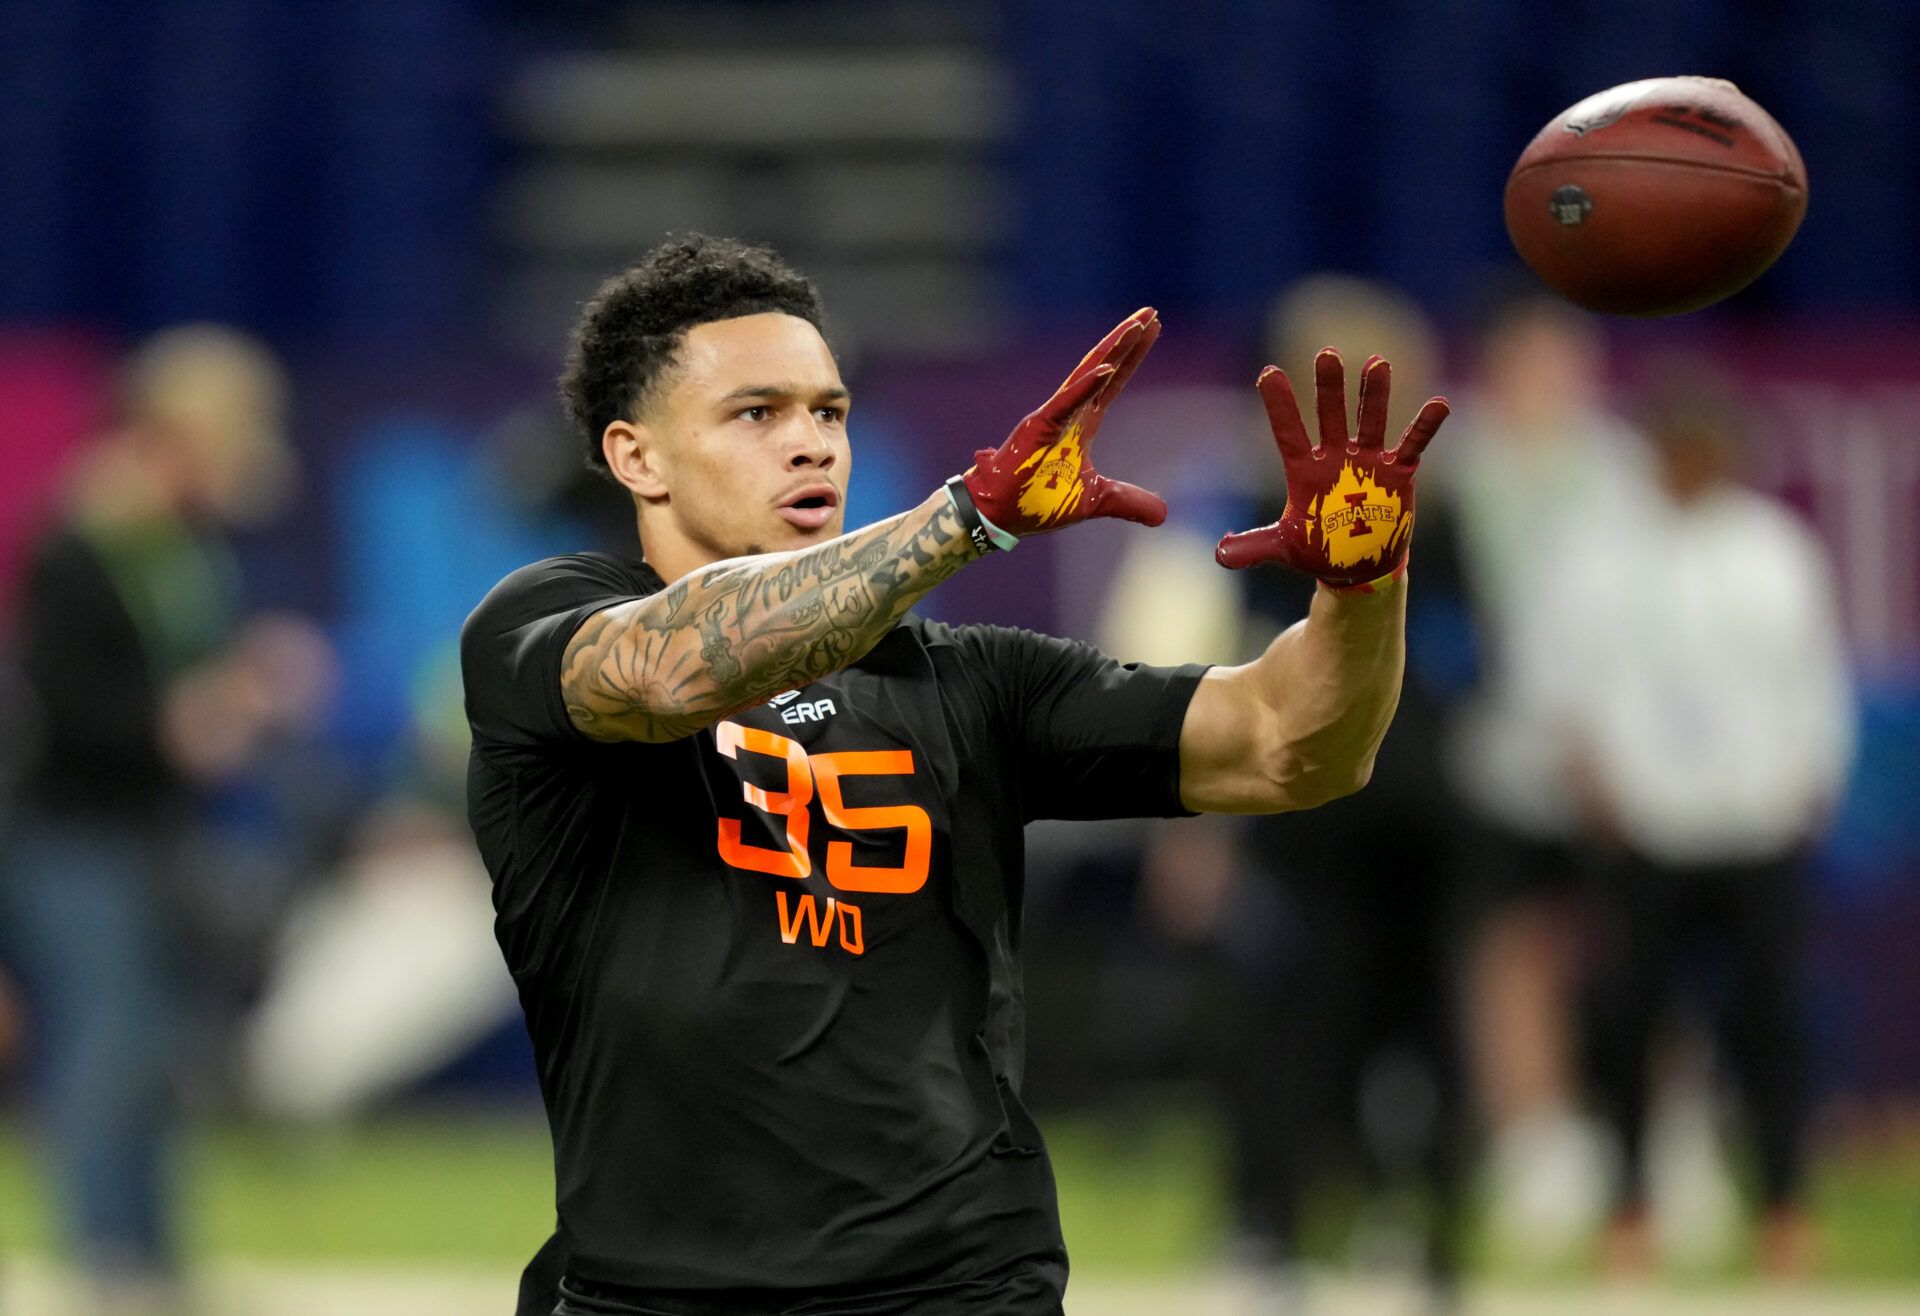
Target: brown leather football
x: 1656, y: 197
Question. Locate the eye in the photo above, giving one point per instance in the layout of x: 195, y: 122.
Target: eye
x: 832, y: 415
x: 755, y: 414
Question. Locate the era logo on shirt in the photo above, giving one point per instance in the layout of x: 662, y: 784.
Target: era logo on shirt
x: 807, y: 774
x: 818, y: 710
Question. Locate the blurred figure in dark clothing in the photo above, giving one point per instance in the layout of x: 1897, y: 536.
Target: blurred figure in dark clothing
x: 142, y: 681
x: 1708, y: 725
x: 1332, y: 1041
x: 1345, y: 1042
x: 1350, y: 1038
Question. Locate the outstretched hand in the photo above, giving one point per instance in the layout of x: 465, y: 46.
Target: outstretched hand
x: 1042, y: 478
x: 1349, y: 513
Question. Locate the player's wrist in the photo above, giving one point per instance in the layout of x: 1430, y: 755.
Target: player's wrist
x: 985, y: 535
x: 1381, y: 585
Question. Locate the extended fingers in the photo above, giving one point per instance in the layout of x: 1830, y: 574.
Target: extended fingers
x: 1105, y: 351
x: 1129, y: 502
x: 1376, y: 381
x: 1129, y: 355
x: 1248, y: 547
x: 1330, y: 398
x: 1072, y: 395
x: 1421, y: 432
x: 1283, y: 415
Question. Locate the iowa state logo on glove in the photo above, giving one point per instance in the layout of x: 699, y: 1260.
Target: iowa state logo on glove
x: 1349, y: 513
x: 1042, y: 478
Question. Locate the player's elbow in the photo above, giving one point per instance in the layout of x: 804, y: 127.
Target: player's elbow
x: 1357, y: 778
x: 1326, y: 787
x: 1301, y: 783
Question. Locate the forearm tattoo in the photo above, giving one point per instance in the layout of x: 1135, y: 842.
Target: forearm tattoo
x: 739, y: 632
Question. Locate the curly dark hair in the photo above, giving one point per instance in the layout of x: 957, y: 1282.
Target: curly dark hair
x: 628, y: 333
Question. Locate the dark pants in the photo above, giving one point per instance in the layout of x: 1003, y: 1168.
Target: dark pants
x: 1029, y: 1287
x: 84, y: 920
x: 1739, y: 927
x: 1342, y: 1049
x: 1010, y: 1295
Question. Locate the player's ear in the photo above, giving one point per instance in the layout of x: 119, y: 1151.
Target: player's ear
x: 633, y: 455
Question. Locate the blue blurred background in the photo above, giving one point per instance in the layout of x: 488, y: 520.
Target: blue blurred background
x: 412, y: 169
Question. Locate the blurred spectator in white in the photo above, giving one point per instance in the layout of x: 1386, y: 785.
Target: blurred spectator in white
x: 381, y: 977
x: 389, y: 971
x: 1535, y: 453
x: 1705, y: 697
x: 1334, y: 1032
x: 144, y: 680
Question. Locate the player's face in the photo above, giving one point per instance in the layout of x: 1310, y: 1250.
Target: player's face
x: 751, y: 437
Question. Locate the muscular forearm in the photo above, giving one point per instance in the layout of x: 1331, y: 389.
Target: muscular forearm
x: 739, y: 631
x: 1333, y: 682
x: 1299, y: 725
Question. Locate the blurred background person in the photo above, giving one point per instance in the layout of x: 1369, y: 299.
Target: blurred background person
x: 1541, y: 451
x: 385, y: 970
x: 1328, y: 936
x: 1708, y: 723
x: 144, y: 681
x: 377, y: 981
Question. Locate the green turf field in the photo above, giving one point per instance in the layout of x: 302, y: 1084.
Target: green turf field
x: 1139, y: 1197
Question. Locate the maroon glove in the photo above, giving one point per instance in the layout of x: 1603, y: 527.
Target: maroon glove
x: 1042, y: 477
x: 1349, y: 513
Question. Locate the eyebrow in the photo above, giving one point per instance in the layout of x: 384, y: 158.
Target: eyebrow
x: 837, y: 393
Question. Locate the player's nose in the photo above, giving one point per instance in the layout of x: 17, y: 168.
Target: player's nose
x: 811, y: 446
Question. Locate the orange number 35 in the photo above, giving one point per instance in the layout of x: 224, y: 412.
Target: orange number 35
x: 825, y: 770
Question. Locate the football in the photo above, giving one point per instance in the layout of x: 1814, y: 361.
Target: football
x: 1656, y: 197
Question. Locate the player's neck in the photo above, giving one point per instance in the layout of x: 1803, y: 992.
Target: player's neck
x: 669, y: 551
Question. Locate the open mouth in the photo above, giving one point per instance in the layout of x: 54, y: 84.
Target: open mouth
x: 811, y: 507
